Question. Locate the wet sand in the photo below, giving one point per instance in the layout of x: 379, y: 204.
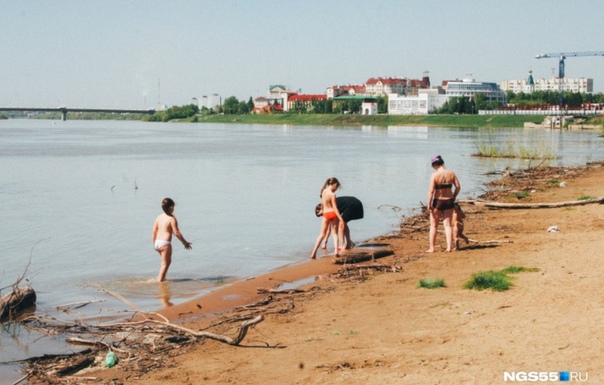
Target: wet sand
x: 245, y: 292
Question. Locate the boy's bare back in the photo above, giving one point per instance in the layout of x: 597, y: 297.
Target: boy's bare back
x: 164, y: 227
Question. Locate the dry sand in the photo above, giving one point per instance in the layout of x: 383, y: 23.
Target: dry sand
x: 385, y: 330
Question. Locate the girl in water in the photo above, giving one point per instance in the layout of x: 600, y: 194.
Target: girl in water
x: 331, y: 215
x: 441, y: 200
x: 166, y: 225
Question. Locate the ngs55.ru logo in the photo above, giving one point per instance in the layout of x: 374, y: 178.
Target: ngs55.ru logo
x: 545, y: 376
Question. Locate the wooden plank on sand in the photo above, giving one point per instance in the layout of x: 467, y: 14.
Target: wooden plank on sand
x: 356, y: 256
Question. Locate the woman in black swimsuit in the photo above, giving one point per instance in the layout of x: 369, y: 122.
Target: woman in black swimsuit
x: 441, y: 200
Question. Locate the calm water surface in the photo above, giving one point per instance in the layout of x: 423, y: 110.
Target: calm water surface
x: 79, y: 197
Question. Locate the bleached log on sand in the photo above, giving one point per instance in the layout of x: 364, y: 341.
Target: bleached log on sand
x: 499, y: 205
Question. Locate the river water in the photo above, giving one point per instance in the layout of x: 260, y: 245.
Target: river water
x: 79, y: 197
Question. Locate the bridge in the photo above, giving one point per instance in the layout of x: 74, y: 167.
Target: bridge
x: 64, y: 110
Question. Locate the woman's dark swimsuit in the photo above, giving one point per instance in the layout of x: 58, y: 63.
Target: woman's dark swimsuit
x: 443, y: 204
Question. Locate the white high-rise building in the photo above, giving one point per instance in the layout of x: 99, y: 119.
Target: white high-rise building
x: 529, y: 85
x: 210, y: 102
x: 469, y: 87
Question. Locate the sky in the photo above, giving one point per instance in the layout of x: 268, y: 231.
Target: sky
x: 140, y: 54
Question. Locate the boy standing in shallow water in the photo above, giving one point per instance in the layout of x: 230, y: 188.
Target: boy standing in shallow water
x: 165, y: 225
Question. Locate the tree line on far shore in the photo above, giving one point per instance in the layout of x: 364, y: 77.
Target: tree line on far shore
x: 455, y: 105
x: 233, y: 106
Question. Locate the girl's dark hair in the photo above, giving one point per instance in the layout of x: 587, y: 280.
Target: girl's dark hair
x: 438, y: 160
x: 329, y: 182
x: 166, y: 204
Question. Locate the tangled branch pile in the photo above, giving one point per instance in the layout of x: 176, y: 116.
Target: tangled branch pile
x: 145, y: 342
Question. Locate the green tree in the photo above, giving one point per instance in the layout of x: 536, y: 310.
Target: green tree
x: 322, y: 106
x: 480, y: 102
x: 243, y: 108
x: 382, y: 104
x: 174, y: 112
x: 230, y: 105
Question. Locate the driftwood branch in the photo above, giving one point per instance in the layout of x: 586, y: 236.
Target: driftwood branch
x: 499, y: 205
x: 81, y: 341
x: 489, y: 242
x: 15, y: 302
x: 75, y: 305
x: 279, y: 291
x: 165, y: 322
x: 227, y: 340
x: 362, y: 256
x: 20, y: 298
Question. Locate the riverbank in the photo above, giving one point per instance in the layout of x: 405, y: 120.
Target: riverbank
x: 340, y: 120
x: 470, y: 121
x: 380, y: 328
x: 337, y: 120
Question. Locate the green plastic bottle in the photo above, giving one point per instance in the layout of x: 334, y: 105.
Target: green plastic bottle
x: 111, y: 359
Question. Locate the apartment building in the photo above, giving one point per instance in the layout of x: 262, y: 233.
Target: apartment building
x: 529, y: 85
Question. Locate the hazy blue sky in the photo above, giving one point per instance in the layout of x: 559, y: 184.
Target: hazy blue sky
x: 110, y: 53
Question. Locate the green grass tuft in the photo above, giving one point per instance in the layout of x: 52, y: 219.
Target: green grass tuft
x: 494, y: 280
x: 519, y: 269
x: 584, y: 197
x: 518, y: 195
x: 431, y: 283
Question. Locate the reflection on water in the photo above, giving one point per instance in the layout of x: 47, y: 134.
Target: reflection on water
x: 297, y: 284
x: 176, y: 289
x: 415, y: 132
x: 165, y: 293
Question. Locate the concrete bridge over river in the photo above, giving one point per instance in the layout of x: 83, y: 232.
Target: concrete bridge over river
x: 64, y: 110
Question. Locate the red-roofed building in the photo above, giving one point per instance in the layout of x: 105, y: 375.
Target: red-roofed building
x: 383, y: 86
x: 349, y: 90
x: 301, y: 101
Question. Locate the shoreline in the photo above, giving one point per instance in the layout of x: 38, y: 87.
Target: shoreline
x: 244, y: 291
x: 383, y: 120
x: 380, y: 328
x: 313, y: 354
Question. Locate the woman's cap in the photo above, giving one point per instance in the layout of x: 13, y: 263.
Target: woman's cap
x: 435, y: 158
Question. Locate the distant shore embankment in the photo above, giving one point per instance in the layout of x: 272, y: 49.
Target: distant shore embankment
x: 470, y: 121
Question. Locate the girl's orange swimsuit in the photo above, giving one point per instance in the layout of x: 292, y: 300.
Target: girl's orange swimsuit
x: 331, y: 215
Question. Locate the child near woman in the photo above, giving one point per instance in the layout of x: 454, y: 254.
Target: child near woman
x: 331, y: 216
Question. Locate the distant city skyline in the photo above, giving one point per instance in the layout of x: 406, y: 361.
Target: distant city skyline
x: 140, y: 54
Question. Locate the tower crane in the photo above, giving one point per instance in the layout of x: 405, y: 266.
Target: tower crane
x: 561, y: 56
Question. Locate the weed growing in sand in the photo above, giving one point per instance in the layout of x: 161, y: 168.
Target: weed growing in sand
x: 313, y: 339
x: 518, y: 195
x: 519, y: 269
x: 441, y: 304
x: 351, y: 332
x: 585, y: 197
x: 431, y: 283
x: 554, y: 181
x: 495, y: 280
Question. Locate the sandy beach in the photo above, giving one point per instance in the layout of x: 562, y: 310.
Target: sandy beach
x: 380, y: 328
